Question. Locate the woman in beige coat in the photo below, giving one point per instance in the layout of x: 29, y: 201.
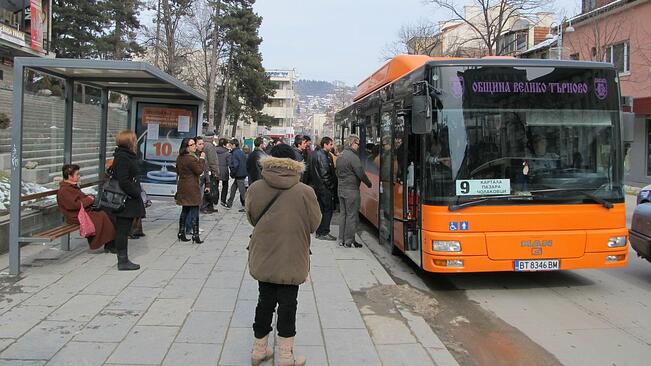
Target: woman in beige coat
x: 284, y: 212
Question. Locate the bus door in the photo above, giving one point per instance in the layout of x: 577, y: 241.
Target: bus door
x: 405, y: 194
x: 386, y: 158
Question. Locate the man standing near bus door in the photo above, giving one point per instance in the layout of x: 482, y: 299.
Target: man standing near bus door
x: 323, y: 180
x: 350, y: 174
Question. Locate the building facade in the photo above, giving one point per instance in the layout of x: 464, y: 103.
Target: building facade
x: 459, y: 39
x: 619, y: 32
x: 25, y: 30
x: 283, y: 102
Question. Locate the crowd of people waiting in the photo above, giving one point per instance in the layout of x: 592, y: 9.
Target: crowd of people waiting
x: 288, y: 192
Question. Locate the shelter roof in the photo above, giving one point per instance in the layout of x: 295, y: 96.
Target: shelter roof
x: 136, y: 79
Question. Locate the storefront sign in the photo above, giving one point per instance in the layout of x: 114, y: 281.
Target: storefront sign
x: 12, y: 35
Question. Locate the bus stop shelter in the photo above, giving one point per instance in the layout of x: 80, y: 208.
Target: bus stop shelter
x: 132, y: 79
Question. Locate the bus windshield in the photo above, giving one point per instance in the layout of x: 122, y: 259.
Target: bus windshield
x: 543, y: 135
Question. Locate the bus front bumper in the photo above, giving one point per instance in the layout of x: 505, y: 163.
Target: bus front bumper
x: 482, y: 263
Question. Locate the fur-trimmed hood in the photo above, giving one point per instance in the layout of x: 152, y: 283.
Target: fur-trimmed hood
x: 281, y: 173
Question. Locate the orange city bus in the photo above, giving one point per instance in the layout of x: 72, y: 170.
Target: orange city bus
x: 493, y: 164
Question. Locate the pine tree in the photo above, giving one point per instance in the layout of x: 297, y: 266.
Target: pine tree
x: 76, y: 25
x: 246, y: 85
x: 119, y: 41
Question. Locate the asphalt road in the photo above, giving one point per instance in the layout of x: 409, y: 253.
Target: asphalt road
x: 583, y: 317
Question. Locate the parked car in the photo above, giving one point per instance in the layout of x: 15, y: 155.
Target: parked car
x: 640, y: 233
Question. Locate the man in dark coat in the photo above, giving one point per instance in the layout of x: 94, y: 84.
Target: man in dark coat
x: 213, y: 175
x: 224, y: 161
x: 238, y: 172
x: 253, y: 161
x: 323, y: 179
x: 300, y: 150
x: 349, y: 175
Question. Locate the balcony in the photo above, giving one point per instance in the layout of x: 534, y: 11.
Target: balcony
x: 284, y: 94
x: 279, y: 112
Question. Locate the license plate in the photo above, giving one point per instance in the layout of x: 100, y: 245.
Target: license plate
x: 537, y: 265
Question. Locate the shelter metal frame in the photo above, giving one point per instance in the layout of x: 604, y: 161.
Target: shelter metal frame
x: 133, y: 79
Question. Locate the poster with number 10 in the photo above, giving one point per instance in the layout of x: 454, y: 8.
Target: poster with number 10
x: 160, y: 129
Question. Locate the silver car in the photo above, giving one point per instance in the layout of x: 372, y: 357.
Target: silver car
x: 640, y: 233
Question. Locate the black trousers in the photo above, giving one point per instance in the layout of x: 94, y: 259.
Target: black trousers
x: 269, y: 295
x: 122, y: 229
x: 326, y: 203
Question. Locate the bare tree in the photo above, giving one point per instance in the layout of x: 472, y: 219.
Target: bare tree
x: 489, y: 19
x: 173, y: 38
x: 419, y: 38
x: 204, y: 67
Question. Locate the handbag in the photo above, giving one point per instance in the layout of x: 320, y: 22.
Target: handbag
x: 111, y: 196
x: 86, y: 226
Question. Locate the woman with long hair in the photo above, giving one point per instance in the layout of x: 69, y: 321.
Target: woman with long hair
x: 189, y: 168
x: 126, y: 170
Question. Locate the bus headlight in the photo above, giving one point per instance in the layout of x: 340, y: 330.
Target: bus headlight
x: 617, y: 242
x: 446, y: 246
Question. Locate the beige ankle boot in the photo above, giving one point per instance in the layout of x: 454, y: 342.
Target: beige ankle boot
x: 261, y: 351
x: 286, y: 353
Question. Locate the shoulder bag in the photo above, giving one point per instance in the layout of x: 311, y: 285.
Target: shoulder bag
x: 110, y: 195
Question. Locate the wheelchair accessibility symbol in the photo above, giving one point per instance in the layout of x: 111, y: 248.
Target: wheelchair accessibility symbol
x: 453, y: 226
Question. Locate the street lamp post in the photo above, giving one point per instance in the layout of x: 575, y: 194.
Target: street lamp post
x: 559, y: 31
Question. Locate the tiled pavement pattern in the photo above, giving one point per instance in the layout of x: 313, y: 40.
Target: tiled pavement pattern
x: 194, y: 304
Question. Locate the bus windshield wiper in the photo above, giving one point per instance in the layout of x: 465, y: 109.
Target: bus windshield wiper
x: 479, y: 200
x: 581, y: 191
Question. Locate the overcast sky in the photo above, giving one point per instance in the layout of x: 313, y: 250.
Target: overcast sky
x: 341, y: 39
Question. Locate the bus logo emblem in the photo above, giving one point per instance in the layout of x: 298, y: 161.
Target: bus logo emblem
x: 456, y: 85
x: 601, y: 88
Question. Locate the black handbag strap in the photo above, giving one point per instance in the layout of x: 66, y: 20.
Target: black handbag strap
x: 271, y: 203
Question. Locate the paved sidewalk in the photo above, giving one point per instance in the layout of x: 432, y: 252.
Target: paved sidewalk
x: 194, y: 304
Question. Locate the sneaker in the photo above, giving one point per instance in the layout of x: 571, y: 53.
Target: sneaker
x: 241, y: 210
x: 224, y: 204
x: 356, y: 244
x: 347, y: 245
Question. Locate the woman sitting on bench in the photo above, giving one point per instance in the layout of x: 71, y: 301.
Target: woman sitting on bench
x: 70, y: 198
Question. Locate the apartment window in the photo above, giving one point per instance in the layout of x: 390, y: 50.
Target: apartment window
x: 574, y: 56
x: 513, y: 42
x: 619, y: 55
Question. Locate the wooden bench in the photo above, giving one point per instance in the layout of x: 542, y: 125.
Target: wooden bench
x: 54, y: 233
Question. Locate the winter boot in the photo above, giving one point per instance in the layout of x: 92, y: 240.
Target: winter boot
x: 286, y: 353
x: 195, y: 231
x: 181, y: 234
x: 261, y: 351
x: 124, y: 264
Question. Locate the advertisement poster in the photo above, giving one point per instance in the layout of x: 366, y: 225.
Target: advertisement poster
x: 160, y: 129
x: 38, y: 24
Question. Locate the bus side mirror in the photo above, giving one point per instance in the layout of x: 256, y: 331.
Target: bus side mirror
x: 421, y: 114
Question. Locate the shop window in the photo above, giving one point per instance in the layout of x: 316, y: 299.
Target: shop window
x: 619, y: 55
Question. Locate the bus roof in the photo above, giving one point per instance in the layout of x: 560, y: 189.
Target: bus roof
x: 394, y: 69
x: 402, y: 65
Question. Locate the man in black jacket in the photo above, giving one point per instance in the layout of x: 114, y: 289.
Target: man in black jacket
x: 323, y: 179
x: 253, y: 161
